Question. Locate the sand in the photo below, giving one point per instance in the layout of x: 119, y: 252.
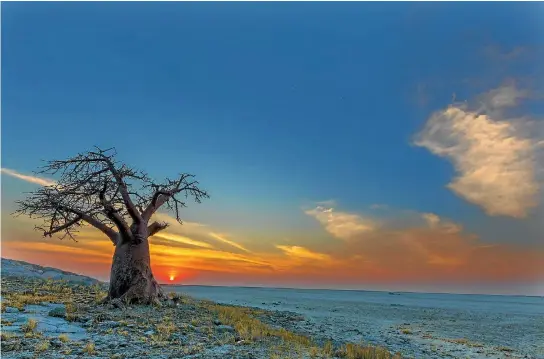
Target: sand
x: 420, y: 325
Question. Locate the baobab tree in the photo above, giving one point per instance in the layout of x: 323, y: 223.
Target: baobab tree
x: 94, y: 189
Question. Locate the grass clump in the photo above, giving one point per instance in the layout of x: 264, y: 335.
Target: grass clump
x: 29, y: 326
x: 71, y: 311
x: 7, y: 335
x: 64, y: 338
x: 356, y: 351
x: 164, y: 330
x: 328, y: 348
x: 42, y: 346
x: 89, y: 348
x: 251, y: 328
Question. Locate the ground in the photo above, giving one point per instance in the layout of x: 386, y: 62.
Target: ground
x: 63, y: 319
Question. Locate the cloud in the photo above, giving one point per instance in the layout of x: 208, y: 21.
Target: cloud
x: 495, y: 158
x: 425, y: 249
x: 32, y: 179
x: 435, y: 222
x: 182, y: 239
x: 503, y: 97
x: 188, y: 231
x: 227, y: 241
x: 327, y: 203
x: 186, y: 227
x: 301, y: 252
x: 342, y: 225
x: 424, y: 245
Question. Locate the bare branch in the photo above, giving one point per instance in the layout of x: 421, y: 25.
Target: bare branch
x: 167, y: 193
x: 118, y: 175
x: 92, y: 188
x: 156, y: 227
x: 113, y: 213
x: 61, y: 228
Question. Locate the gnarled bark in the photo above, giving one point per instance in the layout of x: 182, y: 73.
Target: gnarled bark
x: 131, y: 278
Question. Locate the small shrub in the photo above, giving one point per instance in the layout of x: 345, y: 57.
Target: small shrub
x: 42, y: 346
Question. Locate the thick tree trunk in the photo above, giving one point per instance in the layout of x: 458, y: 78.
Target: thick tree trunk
x: 131, y: 278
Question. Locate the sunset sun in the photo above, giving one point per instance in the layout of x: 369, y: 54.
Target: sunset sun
x: 172, y: 278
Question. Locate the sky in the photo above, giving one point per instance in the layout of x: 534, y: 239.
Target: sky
x: 372, y: 146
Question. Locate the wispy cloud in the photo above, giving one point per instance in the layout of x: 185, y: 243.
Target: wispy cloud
x: 301, y: 252
x: 32, y: 179
x: 435, y: 222
x: 426, y: 248
x: 182, y: 239
x: 222, y: 238
x: 342, y: 225
x: 495, y: 157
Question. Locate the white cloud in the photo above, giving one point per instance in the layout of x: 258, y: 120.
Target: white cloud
x: 27, y: 178
x: 342, y: 225
x: 435, y: 222
x: 503, y: 97
x: 495, y: 158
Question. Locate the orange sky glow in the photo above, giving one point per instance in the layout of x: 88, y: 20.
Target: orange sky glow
x: 362, y: 256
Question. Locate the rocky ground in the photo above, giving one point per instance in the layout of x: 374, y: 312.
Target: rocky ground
x: 62, y: 318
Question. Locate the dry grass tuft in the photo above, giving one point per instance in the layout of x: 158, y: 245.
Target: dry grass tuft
x: 356, y: 351
x: 328, y: 348
x: 89, y: 348
x: 29, y: 326
x: 293, y: 345
x: 42, y: 346
x: 7, y: 335
x: 64, y: 338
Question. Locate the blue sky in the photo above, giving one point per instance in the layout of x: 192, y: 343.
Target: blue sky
x: 274, y: 106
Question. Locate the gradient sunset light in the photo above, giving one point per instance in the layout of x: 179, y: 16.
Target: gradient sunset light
x: 349, y: 146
